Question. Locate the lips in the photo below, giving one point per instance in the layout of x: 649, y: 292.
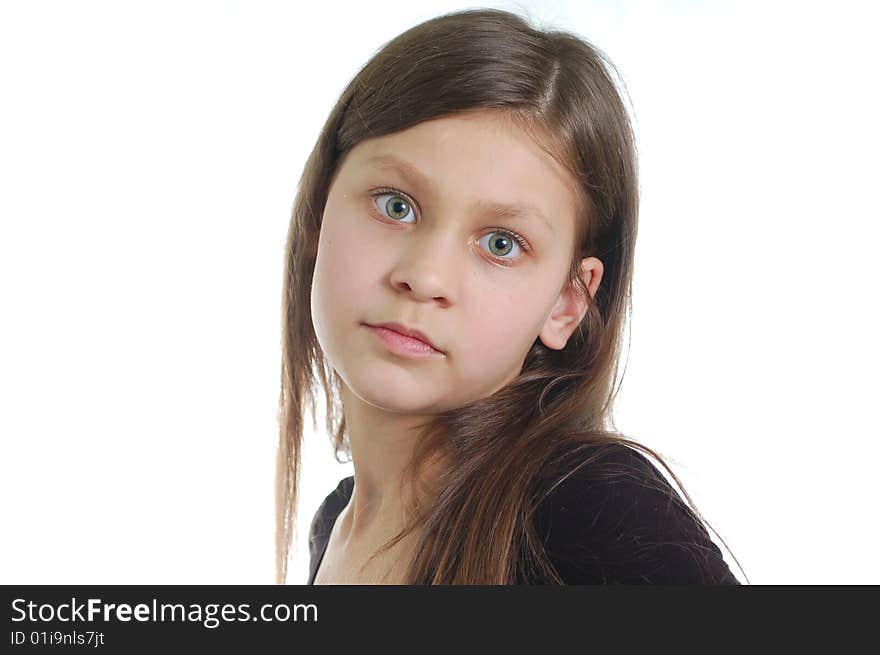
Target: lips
x: 400, y: 328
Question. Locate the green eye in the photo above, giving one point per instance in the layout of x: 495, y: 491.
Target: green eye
x: 397, y: 207
x: 500, y: 241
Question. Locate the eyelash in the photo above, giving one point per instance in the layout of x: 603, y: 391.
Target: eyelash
x: 516, y: 237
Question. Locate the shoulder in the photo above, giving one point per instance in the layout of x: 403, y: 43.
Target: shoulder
x: 609, y: 516
x: 325, y: 516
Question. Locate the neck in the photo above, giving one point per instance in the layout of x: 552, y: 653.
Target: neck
x: 382, y: 444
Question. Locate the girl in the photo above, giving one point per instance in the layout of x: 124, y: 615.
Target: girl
x: 458, y: 271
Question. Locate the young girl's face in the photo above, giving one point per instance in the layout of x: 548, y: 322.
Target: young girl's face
x: 424, y: 249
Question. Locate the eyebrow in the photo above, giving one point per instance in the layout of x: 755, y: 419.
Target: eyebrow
x: 418, y: 179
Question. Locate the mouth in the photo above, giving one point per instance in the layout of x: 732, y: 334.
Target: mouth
x: 406, y: 339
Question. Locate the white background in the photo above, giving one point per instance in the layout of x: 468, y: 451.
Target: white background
x: 149, y: 156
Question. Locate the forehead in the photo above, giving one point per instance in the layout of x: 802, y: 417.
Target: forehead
x: 493, y: 166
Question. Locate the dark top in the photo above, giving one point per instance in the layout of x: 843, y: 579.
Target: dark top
x: 597, y: 531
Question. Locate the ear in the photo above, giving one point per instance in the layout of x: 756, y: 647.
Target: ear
x: 571, y: 306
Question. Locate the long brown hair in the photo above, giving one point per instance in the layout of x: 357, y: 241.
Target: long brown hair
x: 476, y: 528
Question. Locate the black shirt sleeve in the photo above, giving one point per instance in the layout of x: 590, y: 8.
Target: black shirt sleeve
x: 622, y: 530
x: 322, y: 522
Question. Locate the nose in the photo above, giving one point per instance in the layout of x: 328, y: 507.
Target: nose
x: 428, y: 266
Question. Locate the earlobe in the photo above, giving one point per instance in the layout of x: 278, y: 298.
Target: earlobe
x: 572, y: 306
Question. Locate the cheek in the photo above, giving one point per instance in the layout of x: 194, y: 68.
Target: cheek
x: 497, y: 337
x: 499, y: 323
x: 343, y: 267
